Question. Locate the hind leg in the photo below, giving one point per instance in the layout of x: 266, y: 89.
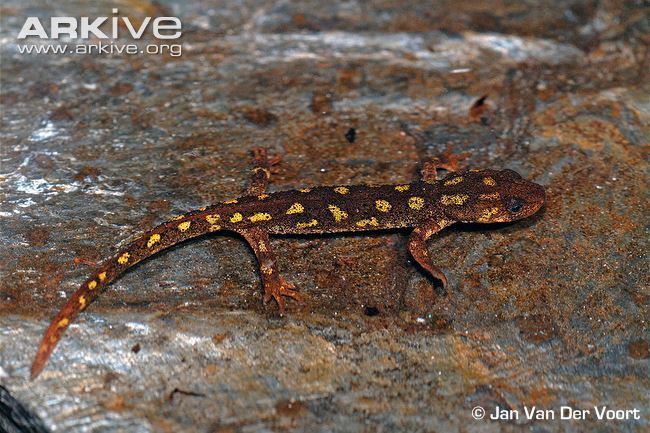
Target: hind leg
x: 275, y: 286
x: 261, y: 172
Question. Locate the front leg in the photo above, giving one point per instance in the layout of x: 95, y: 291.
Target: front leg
x: 446, y: 161
x: 418, y: 247
x: 275, y: 286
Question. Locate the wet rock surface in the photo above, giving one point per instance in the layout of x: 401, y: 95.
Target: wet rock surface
x: 550, y: 311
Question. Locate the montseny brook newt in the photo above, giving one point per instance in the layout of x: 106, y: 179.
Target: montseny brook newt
x: 427, y: 206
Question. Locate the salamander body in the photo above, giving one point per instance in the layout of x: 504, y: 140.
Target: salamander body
x: 426, y: 206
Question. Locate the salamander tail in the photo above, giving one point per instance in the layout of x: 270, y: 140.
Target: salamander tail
x: 164, y: 236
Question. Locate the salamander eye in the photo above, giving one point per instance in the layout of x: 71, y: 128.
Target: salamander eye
x: 515, y: 205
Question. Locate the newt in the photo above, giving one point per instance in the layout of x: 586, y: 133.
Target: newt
x: 426, y: 206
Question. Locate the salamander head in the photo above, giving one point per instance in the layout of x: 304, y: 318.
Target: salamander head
x: 489, y: 196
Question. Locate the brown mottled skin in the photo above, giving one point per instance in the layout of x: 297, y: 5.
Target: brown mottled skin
x: 427, y: 206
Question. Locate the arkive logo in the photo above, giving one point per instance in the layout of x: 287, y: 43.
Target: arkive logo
x: 84, y: 28
x: 115, y: 35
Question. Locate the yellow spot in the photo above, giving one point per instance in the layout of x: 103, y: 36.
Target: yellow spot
x: 202, y: 209
x: 304, y: 189
x: 295, y: 208
x: 488, y: 214
x: 214, y: 227
x: 402, y: 188
x: 233, y: 201
x: 153, y: 239
x: 82, y: 302
x: 92, y: 284
x: 262, y: 246
x: 266, y: 270
x: 53, y: 339
x: 260, y: 216
x: 416, y: 203
x: 382, y: 205
x: 489, y: 181
x: 311, y: 223
x: 493, y: 196
x: 342, y: 190
x: 262, y: 196
x: 457, y: 199
x: 368, y: 222
x: 337, y: 213
x: 62, y: 323
x: 213, y: 218
x: 236, y: 217
x: 184, y: 226
x: 444, y: 223
x: 180, y: 217
x: 454, y: 181
x: 124, y: 258
x: 102, y: 276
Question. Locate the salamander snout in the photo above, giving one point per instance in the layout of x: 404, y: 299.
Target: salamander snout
x: 522, y: 199
x: 490, y: 196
